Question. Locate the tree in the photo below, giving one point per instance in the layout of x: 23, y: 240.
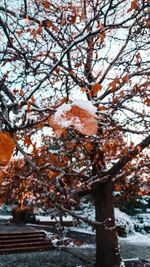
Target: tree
x: 81, y: 69
x: 131, y: 191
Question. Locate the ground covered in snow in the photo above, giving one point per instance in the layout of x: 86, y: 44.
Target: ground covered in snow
x: 135, y: 246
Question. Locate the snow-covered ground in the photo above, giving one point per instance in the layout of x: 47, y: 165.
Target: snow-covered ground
x: 41, y: 218
x: 137, y: 239
x: 5, y: 217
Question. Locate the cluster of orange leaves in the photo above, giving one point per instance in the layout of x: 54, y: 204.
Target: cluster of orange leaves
x: 7, y: 146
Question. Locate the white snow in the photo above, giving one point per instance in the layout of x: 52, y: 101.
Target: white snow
x: 122, y: 264
x: 62, y: 109
x: 124, y: 220
x: 142, y: 222
x: 49, y: 219
x: 77, y: 123
x: 71, y: 244
x: 86, y: 105
x: 41, y: 218
x: 5, y: 217
x: 131, y: 259
x: 60, y: 117
x: 137, y: 238
x: 82, y: 230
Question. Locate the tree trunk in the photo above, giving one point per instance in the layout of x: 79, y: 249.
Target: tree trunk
x: 107, y: 249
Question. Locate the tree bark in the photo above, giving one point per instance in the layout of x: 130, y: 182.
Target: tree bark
x: 107, y: 249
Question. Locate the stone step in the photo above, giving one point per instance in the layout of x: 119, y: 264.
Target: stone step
x: 22, y: 233
x: 25, y: 244
x: 18, y: 242
x: 25, y: 249
x: 14, y: 236
x: 21, y: 241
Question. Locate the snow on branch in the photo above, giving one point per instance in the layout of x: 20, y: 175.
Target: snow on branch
x: 88, y: 221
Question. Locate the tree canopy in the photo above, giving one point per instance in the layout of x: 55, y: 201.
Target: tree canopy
x: 74, y: 95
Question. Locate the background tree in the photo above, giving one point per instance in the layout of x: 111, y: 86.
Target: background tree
x: 132, y: 190
x: 81, y: 69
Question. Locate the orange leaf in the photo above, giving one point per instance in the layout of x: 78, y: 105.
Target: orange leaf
x: 33, y: 100
x: 95, y: 89
x: 89, y: 127
x: 125, y: 78
x: 64, y: 100
x: 52, y: 175
x: 147, y: 101
x: 49, y: 24
x: 118, y: 187
x: 1, y: 174
x: 72, y: 19
x: 27, y: 141
x: 134, y: 6
x: 102, y: 33
x: 139, y: 149
x: 58, y: 70
x: 6, y: 147
x: 88, y: 147
x: 3, y: 199
x: 102, y: 108
x: 39, y: 30
x: 114, y: 83
x: 28, y: 106
x: 46, y: 4
x: 83, y: 89
x: 77, y: 64
x: 71, y: 72
x: 138, y: 59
